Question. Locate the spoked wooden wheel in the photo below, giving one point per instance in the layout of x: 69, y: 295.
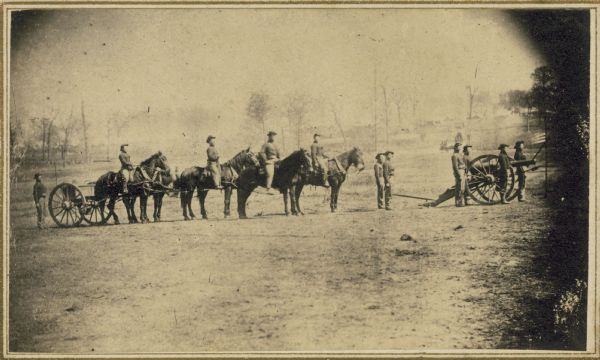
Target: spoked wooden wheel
x: 65, y: 205
x: 483, y: 182
x: 96, y: 212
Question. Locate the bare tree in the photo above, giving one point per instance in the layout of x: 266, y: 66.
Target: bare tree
x: 338, y: 123
x: 68, y: 128
x: 84, y: 127
x: 297, y: 107
x: 387, y: 119
x: 398, y: 102
x: 258, y: 107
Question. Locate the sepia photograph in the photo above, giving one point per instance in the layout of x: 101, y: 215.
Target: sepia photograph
x: 297, y: 179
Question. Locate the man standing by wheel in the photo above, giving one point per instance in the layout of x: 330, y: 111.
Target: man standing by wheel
x: 467, y: 161
x: 270, y: 154
x: 213, y: 162
x: 519, y: 146
x: 388, y: 173
x: 379, y: 179
x: 126, y: 168
x: 458, y: 169
x: 319, y: 158
x: 503, y: 165
x: 39, y: 198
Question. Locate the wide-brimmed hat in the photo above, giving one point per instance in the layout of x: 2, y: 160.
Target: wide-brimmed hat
x: 37, y: 175
x: 123, y: 145
x: 209, y: 138
x: 502, y: 146
x: 271, y: 133
x: 388, y: 152
x: 457, y: 145
x: 519, y: 143
x: 316, y: 134
x: 378, y: 155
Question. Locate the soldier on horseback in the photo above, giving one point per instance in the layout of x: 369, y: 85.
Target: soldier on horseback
x: 213, y: 165
x: 269, y: 153
x: 126, y: 167
x: 319, y: 159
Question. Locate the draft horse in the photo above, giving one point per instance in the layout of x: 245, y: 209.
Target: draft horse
x: 197, y: 178
x: 285, y: 179
x: 110, y: 186
x: 337, y: 169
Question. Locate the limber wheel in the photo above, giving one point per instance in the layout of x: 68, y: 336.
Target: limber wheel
x: 96, y: 212
x: 65, y: 205
x: 483, y: 182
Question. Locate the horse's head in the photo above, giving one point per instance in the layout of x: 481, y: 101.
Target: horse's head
x: 249, y: 158
x: 356, y: 159
x: 160, y: 160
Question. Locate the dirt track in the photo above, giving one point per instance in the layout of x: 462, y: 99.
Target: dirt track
x: 318, y: 282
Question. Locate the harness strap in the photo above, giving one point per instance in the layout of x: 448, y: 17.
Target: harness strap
x: 339, y: 165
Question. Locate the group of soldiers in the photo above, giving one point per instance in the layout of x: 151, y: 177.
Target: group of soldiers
x: 460, y: 169
x: 384, y: 171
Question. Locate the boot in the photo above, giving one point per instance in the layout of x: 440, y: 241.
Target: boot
x: 503, y: 199
x: 522, y: 195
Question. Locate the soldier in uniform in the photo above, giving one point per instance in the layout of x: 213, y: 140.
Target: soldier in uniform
x: 319, y: 158
x: 126, y: 167
x: 467, y: 161
x: 503, y: 165
x: 39, y: 198
x: 379, y: 179
x: 213, y: 161
x: 519, y: 146
x: 388, y: 173
x: 270, y: 154
x: 458, y: 169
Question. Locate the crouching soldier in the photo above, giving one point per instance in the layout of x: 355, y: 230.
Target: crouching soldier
x: 126, y: 168
x: 39, y: 198
x: 213, y: 162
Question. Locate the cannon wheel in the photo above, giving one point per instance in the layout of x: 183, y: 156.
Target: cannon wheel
x: 65, y: 205
x: 483, y: 180
x: 96, y: 212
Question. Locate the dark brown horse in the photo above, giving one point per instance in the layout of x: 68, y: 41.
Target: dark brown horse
x: 163, y: 180
x: 337, y: 170
x: 110, y: 186
x: 196, y: 178
x: 286, y: 174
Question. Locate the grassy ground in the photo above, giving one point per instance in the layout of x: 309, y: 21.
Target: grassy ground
x: 322, y: 281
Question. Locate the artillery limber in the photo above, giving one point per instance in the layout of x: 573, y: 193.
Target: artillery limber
x: 70, y: 205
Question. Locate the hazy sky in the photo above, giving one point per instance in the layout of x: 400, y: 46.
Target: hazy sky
x: 126, y: 60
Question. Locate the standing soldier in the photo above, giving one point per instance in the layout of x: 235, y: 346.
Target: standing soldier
x: 467, y: 161
x: 388, y: 173
x: 213, y: 162
x: 503, y: 165
x: 126, y: 167
x: 318, y: 158
x: 379, y: 179
x: 519, y: 146
x: 458, y: 168
x: 270, y: 154
x: 39, y: 198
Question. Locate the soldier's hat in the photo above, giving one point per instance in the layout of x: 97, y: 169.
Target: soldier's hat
x: 123, y: 145
x: 502, y: 146
x: 316, y: 134
x: 378, y: 155
x: 209, y: 138
x: 388, y: 152
x: 271, y: 133
x: 37, y: 175
x: 519, y: 143
x: 457, y: 145
x: 466, y: 147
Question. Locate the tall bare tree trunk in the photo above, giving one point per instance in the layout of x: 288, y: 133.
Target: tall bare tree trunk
x: 48, y: 142
x: 387, y: 120
x: 375, y: 105
x: 85, y: 136
x: 44, y: 124
x: 339, y: 125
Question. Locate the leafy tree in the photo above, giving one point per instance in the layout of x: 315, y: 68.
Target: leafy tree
x: 258, y: 107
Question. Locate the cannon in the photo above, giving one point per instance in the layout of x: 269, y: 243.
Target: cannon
x: 483, y: 183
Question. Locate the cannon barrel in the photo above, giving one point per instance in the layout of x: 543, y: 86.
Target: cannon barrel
x: 516, y: 163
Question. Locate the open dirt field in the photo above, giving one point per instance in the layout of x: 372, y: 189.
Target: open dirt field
x: 343, y: 281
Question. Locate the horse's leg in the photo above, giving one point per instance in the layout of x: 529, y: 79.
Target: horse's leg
x: 134, y: 218
x: 285, y: 201
x: 293, y: 203
x: 242, y: 196
x: 337, y: 193
x: 201, y: 199
x: 227, y: 201
x: 332, y: 197
x: 155, y: 212
x: 144, y: 208
x: 111, y: 210
x: 297, y: 193
x: 184, y: 206
x: 160, y: 202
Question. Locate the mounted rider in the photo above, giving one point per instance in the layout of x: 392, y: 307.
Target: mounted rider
x: 269, y: 153
x: 126, y: 168
x: 319, y: 159
x: 213, y: 165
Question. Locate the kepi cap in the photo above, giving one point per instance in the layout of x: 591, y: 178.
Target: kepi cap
x: 209, y: 138
x: 519, y: 143
x: 502, y: 146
